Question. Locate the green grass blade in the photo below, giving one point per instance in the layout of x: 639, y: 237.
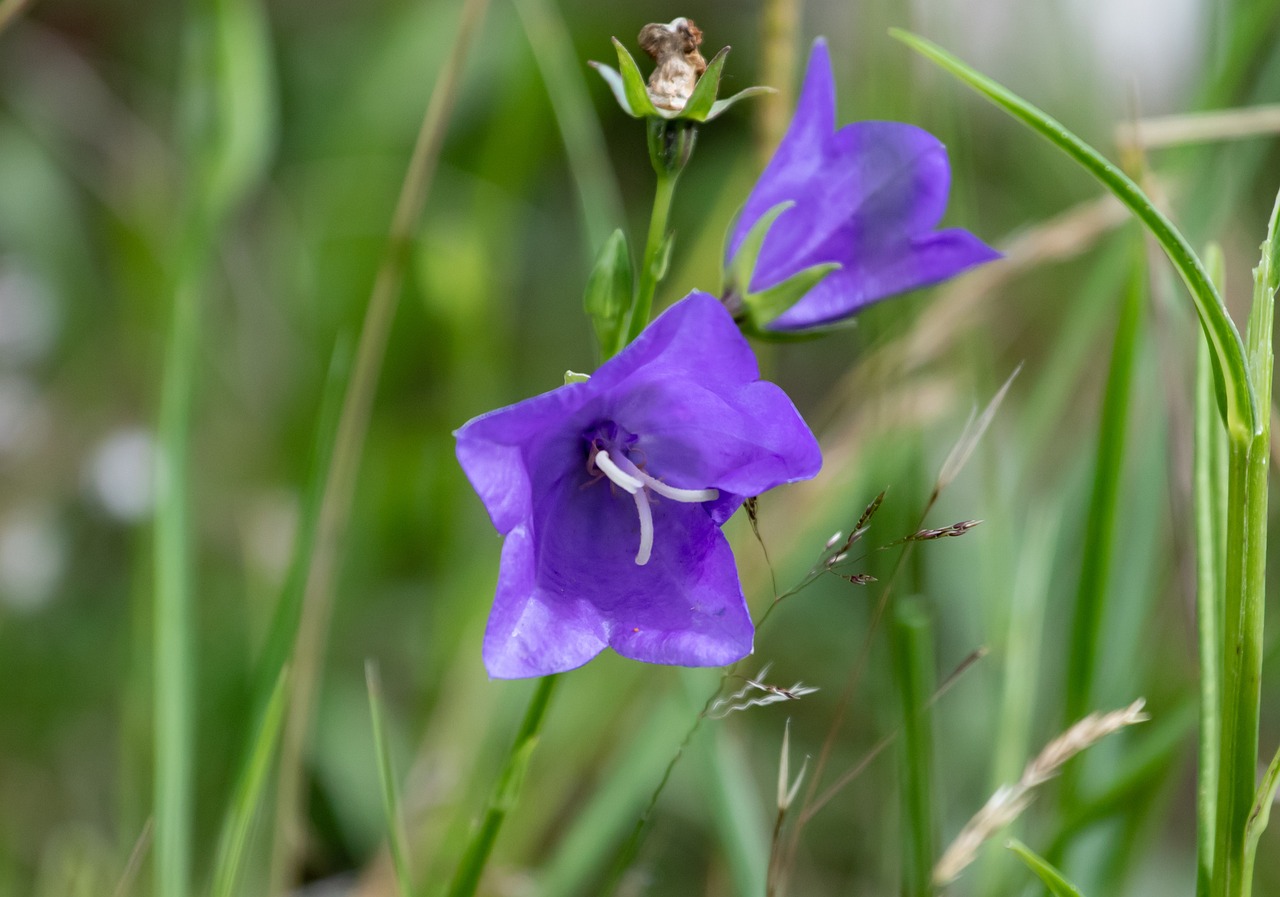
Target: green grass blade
x: 584, y: 143
x: 1052, y: 878
x: 1209, y: 484
x: 740, y: 821
x: 396, y: 839
x: 1236, y: 399
x: 911, y: 636
x: 174, y: 664
x: 247, y: 796
x: 609, y: 813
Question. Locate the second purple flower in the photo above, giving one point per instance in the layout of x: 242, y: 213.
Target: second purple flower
x: 863, y: 201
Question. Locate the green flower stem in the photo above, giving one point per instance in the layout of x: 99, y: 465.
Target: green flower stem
x: 656, y: 249
x: 505, y: 793
x: 1245, y: 601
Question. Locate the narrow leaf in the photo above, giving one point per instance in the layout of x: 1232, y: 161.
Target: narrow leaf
x: 248, y: 794
x: 396, y: 839
x: 1236, y: 400
x: 1052, y: 878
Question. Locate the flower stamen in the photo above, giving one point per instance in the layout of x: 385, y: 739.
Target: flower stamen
x: 635, y: 481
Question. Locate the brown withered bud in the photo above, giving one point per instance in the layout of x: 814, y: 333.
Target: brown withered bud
x: 674, y: 47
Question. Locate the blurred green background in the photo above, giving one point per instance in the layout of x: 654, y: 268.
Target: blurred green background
x: 251, y: 154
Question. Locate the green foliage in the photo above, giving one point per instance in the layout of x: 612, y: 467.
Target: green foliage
x: 194, y: 202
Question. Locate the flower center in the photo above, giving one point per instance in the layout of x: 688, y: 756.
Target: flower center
x: 609, y: 457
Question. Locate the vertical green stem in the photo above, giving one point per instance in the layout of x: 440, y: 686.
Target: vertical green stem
x: 505, y: 793
x: 1245, y: 602
x: 911, y: 639
x: 172, y: 633
x: 654, y: 265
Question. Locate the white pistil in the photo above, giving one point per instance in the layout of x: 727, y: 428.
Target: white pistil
x: 635, y: 481
x: 616, y: 473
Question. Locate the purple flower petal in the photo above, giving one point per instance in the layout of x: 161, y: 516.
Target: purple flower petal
x: 867, y: 197
x: 682, y: 408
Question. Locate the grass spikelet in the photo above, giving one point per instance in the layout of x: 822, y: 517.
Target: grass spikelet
x: 1009, y: 801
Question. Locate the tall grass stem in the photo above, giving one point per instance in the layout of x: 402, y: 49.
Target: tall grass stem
x: 1245, y: 599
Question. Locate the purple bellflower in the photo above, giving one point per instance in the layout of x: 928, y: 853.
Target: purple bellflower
x: 862, y: 201
x: 611, y: 493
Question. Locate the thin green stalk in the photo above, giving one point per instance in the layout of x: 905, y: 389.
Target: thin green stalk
x: 1246, y: 598
x: 656, y: 251
x: 911, y: 642
x: 348, y: 447
x: 584, y: 143
x: 396, y: 839
x: 234, y: 842
x: 1209, y: 484
x: 173, y: 676
x: 506, y: 793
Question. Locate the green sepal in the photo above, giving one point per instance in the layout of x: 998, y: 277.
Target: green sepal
x: 615, y: 82
x: 631, y: 90
x: 575, y: 377
x: 699, y: 104
x: 637, y: 90
x: 757, y: 309
x: 1054, y: 880
x: 609, y: 293
x: 720, y: 106
x: 763, y: 307
x: 737, y: 279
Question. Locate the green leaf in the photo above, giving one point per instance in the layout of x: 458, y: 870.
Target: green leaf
x: 633, y: 83
x: 720, y: 106
x: 248, y: 794
x: 609, y: 292
x: 1235, y: 394
x: 396, y: 839
x: 703, y: 98
x: 1052, y: 878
